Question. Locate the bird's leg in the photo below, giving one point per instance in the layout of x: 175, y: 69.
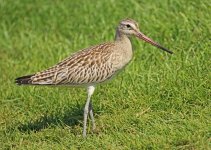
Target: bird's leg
x: 90, y: 91
x: 92, y: 115
x: 85, y: 115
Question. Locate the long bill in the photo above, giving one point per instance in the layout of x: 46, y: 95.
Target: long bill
x: 148, y: 40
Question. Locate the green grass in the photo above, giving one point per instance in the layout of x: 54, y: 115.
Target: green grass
x: 159, y: 101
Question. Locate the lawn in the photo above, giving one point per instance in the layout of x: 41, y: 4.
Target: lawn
x: 159, y: 101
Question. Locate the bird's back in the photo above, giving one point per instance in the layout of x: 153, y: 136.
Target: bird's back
x: 88, y: 66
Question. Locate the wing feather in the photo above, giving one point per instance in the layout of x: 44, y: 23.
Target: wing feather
x: 90, y: 65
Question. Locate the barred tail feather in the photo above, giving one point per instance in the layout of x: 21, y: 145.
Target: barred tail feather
x: 24, y: 80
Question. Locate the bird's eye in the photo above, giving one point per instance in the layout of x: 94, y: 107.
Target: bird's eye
x: 128, y: 26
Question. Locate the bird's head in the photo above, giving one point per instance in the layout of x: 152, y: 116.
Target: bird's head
x: 130, y: 27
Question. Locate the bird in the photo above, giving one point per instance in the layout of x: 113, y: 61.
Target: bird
x: 92, y: 66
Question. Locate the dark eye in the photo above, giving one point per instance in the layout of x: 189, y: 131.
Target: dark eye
x: 128, y: 26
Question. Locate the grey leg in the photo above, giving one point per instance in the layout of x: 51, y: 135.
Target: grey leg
x: 86, y: 110
x: 90, y: 91
x: 92, y: 115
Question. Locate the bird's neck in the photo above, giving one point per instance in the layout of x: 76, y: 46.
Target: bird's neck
x: 123, y: 50
x: 123, y: 40
x: 121, y: 36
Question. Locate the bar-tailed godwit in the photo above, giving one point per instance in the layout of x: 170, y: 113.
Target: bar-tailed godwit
x: 93, y: 65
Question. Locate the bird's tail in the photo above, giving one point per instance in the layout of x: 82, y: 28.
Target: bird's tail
x: 24, y: 80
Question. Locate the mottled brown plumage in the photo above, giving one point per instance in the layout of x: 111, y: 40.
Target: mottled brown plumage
x: 92, y: 65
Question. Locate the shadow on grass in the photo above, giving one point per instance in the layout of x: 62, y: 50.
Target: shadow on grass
x: 72, y: 117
